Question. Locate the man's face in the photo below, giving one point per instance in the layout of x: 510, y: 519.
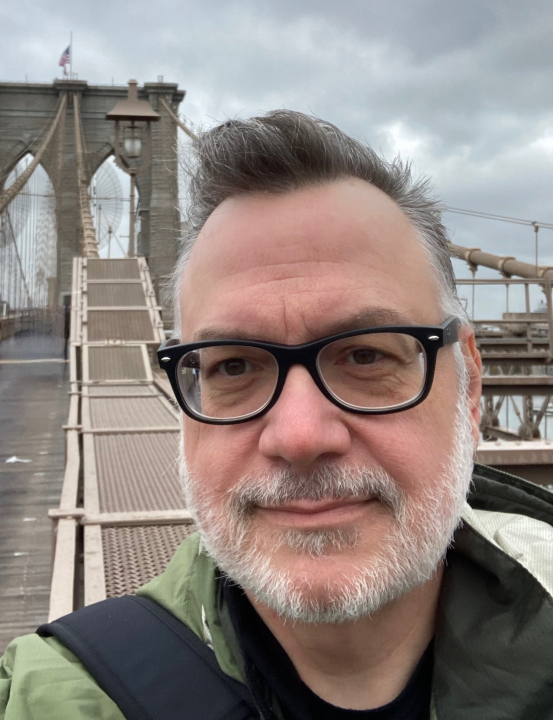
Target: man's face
x: 272, y: 493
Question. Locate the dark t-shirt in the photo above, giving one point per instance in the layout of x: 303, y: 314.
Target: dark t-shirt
x: 267, y: 664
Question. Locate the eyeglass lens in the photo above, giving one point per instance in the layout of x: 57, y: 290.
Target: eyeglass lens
x: 366, y: 371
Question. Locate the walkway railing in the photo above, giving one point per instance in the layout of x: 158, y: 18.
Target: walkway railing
x: 517, y: 354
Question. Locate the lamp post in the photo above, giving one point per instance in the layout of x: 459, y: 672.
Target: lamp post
x: 133, y: 121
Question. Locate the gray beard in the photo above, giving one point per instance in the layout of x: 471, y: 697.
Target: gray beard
x: 422, y: 528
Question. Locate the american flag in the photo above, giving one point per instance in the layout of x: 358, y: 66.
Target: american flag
x: 65, y: 58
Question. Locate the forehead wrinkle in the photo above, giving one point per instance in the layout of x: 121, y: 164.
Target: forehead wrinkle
x: 296, y: 281
x: 268, y: 273
x: 369, y: 317
x: 274, y: 295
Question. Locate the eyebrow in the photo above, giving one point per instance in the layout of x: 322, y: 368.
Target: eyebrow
x: 363, y: 319
x: 368, y: 318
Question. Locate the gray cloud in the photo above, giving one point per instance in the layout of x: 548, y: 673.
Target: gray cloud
x: 461, y: 88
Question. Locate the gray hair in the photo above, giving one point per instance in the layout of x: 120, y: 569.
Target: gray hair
x: 284, y: 151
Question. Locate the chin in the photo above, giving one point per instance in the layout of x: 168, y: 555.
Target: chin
x: 322, y: 576
x: 325, y: 590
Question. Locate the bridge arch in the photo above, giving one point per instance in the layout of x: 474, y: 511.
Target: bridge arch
x: 109, y: 203
x: 28, y: 239
x: 27, y: 111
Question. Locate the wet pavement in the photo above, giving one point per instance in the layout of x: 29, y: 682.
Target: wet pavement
x: 34, y: 381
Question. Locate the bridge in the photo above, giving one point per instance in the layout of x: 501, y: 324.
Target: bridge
x: 113, y: 500
x: 62, y: 129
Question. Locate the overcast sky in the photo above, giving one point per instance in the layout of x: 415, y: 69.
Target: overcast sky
x: 462, y: 89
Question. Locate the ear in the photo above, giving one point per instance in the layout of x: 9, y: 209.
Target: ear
x: 473, y: 363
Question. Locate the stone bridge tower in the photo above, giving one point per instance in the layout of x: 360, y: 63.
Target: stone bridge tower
x: 26, y: 111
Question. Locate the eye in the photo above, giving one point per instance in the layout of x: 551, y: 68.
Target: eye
x: 233, y: 367
x: 363, y: 356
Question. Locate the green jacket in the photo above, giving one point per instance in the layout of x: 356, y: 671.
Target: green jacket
x: 494, y: 635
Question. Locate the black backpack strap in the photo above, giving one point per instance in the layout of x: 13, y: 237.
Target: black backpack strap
x: 150, y: 664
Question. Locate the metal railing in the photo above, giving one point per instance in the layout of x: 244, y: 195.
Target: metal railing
x: 521, y: 336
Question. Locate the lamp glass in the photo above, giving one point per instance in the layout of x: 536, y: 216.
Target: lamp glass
x: 133, y: 146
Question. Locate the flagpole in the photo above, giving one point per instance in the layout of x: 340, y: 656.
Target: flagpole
x: 71, y: 55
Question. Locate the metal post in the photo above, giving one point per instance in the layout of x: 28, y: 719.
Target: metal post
x: 527, y: 296
x: 473, y: 270
x: 549, y: 304
x: 99, y: 225
x: 528, y: 431
x: 132, y: 218
x: 536, y: 230
x: 528, y: 325
x: 488, y: 418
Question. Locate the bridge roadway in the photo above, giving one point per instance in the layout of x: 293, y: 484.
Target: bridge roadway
x: 33, y: 408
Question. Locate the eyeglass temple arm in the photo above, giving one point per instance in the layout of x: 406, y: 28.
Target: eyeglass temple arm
x: 169, y: 343
x: 450, y: 329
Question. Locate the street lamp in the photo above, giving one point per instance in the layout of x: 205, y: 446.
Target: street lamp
x: 133, y: 120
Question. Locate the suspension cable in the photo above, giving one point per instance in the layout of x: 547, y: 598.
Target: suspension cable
x: 502, y: 218
x: 90, y: 245
x: 176, y: 119
x: 507, y: 266
x: 18, y: 256
x: 9, y: 194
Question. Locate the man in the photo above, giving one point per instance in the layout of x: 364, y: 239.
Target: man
x: 330, y: 384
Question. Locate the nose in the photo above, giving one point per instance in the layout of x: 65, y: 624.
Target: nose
x: 304, y: 427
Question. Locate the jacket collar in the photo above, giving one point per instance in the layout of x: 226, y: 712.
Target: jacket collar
x: 494, y: 634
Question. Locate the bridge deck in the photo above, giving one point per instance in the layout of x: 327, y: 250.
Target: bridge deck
x: 121, y: 488
x: 33, y: 407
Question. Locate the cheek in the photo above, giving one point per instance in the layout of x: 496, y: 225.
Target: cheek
x: 412, y: 446
x: 219, y: 455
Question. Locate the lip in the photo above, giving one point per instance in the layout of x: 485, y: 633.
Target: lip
x: 312, y: 514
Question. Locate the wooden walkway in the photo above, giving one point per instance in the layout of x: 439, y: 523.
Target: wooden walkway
x: 34, y: 381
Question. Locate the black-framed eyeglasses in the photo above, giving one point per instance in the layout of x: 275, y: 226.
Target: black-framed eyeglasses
x: 374, y: 371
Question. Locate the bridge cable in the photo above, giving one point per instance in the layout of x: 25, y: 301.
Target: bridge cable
x: 9, y: 194
x: 18, y: 256
x: 507, y: 266
x: 176, y: 119
x: 502, y: 218
x: 90, y: 245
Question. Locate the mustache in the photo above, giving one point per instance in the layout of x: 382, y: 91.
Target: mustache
x: 327, y: 482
